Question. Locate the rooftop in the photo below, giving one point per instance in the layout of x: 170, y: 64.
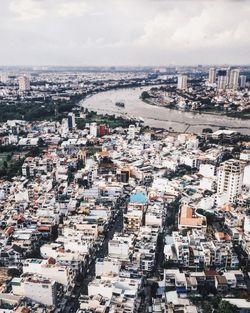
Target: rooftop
x: 138, y: 197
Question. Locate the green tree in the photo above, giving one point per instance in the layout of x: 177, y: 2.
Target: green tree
x: 226, y: 307
x: 145, y: 95
x: 34, y: 152
x: 8, y: 158
x: 207, y: 130
x: 13, y: 272
x: 40, y: 142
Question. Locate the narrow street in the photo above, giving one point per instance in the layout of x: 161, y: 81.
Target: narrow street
x: 115, y: 225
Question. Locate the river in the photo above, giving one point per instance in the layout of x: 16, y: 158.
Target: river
x: 154, y: 116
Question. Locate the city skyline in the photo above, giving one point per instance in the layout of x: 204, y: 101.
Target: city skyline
x: 124, y: 156
x: 124, y: 33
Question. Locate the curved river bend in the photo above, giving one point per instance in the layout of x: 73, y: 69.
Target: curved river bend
x: 154, y: 116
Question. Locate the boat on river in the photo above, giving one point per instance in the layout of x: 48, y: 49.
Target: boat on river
x: 120, y: 104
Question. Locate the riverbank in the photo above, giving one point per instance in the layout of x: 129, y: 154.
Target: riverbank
x: 244, y: 115
x: 54, y: 110
x: 110, y: 120
x: 159, y: 117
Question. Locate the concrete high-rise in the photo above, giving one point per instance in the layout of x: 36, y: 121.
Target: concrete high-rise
x: 222, y: 80
x: 234, y: 79
x: 64, y: 127
x: 93, y: 129
x: 24, y: 83
x: 182, y: 82
x: 243, y: 80
x: 230, y: 178
x: 228, y: 71
x: 71, y: 121
x: 212, y: 75
x: 131, y: 131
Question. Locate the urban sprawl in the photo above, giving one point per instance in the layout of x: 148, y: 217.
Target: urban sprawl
x: 103, y: 214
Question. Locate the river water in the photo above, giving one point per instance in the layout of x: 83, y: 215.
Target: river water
x: 154, y: 116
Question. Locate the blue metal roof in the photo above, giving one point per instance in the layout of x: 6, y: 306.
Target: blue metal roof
x: 138, y: 197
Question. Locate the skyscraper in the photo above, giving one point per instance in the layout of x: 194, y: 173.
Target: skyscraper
x: 93, y: 129
x: 222, y: 80
x: 243, y: 80
x: 228, y: 70
x: 212, y: 75
x: 64, y: 127
x: 24, y: 83
x: 71, y: 121
x: 182, y: 82
x: 230, y: 177
x: 234, y: 79
x: 131, y: 132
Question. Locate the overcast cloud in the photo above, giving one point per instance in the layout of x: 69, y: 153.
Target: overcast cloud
x: 124, y: 32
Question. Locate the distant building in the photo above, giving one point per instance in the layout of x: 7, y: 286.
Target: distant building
x: 71, y: 121
x: 182, y: 82
x: 93, y: 129
x: 243, y: 80
x: 212, y: 75
x: 24, y: 83
x: 35, y: 287
x: 225, y: 134
x: 189, y: 219
x: 50, y: 270
x: 246, y: 179
x: 119, y: 248
x: 4, y: 77
x: 230, y: 178
x: 103, y: 130
x: 234, y: 79
x: 222, y: 80
x: 107, y: 266
x: 65, y: 126
x: 207, y: 170
x: 123, y: 175
x: 228, y: 70
x: 131, y: 132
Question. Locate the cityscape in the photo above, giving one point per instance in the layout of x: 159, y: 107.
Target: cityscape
x: 124, y: 181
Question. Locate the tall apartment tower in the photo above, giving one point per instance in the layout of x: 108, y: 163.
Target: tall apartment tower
x: 243, y: 80
x: 65, y: 127
x: 71, y: 121
x: 212, y: 75
x: 24, y: 83
x: 182, y: 82
x: 131, y: 131
x: 228, y: 70
x: 93, y: 129
x: 222, y: 80
x: 229, y: 179
x: 234, y: 79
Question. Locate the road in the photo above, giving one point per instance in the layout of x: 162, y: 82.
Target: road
x: 116, y: 225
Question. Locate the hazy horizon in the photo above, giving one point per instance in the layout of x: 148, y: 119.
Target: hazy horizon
x: 124, y: 33
x: 122, y: 66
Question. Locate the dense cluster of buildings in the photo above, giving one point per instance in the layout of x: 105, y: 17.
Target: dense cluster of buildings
x: 224, y: 90
x: 100, y: 220
x: 41, y: 86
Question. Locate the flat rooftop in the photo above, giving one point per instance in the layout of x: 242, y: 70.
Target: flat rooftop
x: 138, y: 197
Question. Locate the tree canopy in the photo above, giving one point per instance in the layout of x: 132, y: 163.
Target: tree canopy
x: 145, y: 95
x: 226, y: 307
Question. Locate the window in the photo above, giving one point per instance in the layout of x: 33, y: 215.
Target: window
x: 45, y: 286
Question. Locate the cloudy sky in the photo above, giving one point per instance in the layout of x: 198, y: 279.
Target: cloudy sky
x: 124, y: 32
